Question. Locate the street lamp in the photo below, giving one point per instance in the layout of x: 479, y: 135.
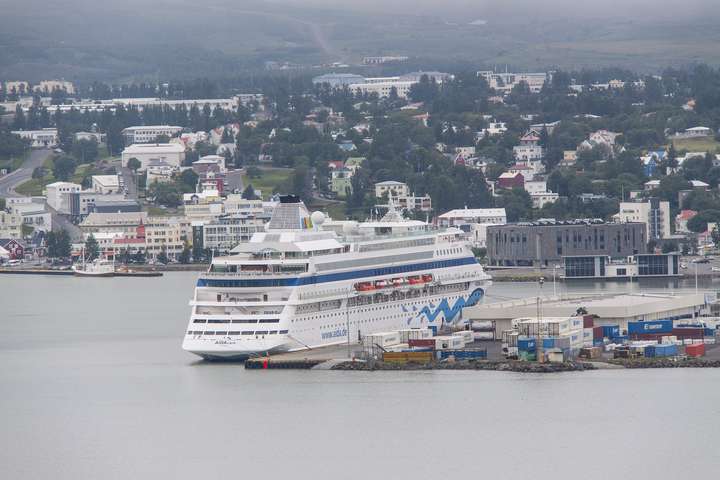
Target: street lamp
x: 555, y: 268
x: 538, y: 342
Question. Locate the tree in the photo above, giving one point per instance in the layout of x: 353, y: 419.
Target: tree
x: 254, y: 172
x: 189, y: 180
x: 715, y: 234
x: 92, y: 248
x: 58, y: 244
x: 139, y: 256
x: 249, y: 193
x: 134, y: 164
x: 86, y: 151
x: 63, y: 167
x: 184, y: 257
x: 162, y: 256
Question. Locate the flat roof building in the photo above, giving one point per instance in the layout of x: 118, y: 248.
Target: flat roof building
x: 545, y: 242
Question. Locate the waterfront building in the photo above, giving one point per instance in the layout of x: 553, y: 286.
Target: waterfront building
x: 148, y: 133
x: 123, y: 222
x: 227, y: 231
x: 545, y: 242
x: 654, y: 213
x: 473, y: 222
x: 48, y: 86
x: 603, y: 267
x: 10, y: 225
x: 172, y: 154
x: 33, y: 213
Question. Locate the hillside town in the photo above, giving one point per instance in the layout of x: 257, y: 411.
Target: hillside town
x: 534, y: 168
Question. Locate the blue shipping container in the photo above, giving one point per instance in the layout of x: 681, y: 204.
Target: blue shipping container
x: 620, y: 339
x: 709, y: 332
x: 526, y: 343
x: 650, y: 351
x: 463, y: 354
x: 611, y: 331
x: 653, y: 326
x: 597, y: 342
x: 548, y: 343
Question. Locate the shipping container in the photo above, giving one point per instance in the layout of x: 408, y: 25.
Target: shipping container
x: 588, y: 321
x: 467, y: 354
x: 397, y: 348
x: 414, y: 334
x: 382, y: 339
x: 621, y: 339
x: 598, y: 333
x: 548, y: 343
x: 477, y: 336
x: 483, y: 325
x: 555, y: 355
x: 610, y: 331
x: 695, y: 350
x: 422, y: 343
x: 590, y: 352
x: 448, y: 343
x: 688, y: 332
x: 405, y: 357
x: 467, y: 336
x: 527, y: 356
x: 526, y: 343
x: 651, y: 326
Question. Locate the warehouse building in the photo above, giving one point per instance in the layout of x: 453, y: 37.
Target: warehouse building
x: 546, y: 242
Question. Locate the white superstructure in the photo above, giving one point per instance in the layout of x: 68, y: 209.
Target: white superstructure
x: 299, y: 285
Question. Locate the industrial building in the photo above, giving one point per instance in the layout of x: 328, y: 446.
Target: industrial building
x: 607, y: 309
x: 545, y: 242
x: 635, y: 266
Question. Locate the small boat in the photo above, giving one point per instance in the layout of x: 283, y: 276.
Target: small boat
x: 397, y: 282
x: 427, y: 278
x: 96, y: 268
x: 414, y: 280
x: 381, y: 283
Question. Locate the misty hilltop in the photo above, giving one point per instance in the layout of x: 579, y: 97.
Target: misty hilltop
x: 135, y: 40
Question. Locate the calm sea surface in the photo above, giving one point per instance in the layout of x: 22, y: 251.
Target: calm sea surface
x: 94, y: 385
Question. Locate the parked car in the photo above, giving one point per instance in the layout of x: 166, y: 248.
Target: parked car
x: 715, y: 269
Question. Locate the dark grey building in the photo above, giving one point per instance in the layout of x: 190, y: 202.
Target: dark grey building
x: 545, y: 242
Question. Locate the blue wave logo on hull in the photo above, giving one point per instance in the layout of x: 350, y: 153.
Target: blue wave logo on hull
x: 432, y: 313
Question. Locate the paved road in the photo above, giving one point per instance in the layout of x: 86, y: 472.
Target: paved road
x: 9, y: 182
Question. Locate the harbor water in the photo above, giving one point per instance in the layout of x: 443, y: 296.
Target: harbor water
x: 94, y: 384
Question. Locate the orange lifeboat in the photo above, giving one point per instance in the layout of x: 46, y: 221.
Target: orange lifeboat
x: 414, y: 280
x: 427, y: 277
x: 397, y: 282
x: 381, y: 283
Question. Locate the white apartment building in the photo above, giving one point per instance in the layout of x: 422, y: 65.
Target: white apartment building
x: 47, y: 137
x: 654, y: 213
x: 504, y: 82
x: 57, y: 195
x: 540, y: 199
x: 124, y: 222
x: 536, y: 186
x: 148, y: 133
x: 392, y: 189
x: 225, y: 233
x: 171, y: 153
x: 159, y: 172
x: 384, y: 88
x: 169, y: 234
x: 17, y: 87
x: 10, y: 225
x: 474, y: 222
x: 106, y: 184
x: 32, y: 212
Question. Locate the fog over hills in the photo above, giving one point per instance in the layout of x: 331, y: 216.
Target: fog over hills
x: 134, y: 40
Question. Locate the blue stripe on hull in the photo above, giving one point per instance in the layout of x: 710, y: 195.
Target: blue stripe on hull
x: 335, y: 277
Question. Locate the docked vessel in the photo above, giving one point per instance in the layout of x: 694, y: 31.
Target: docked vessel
x: 305, y: 283
x: 95, y: 268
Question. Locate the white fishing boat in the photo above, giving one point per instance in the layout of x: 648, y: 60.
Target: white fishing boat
x: 95, y: 268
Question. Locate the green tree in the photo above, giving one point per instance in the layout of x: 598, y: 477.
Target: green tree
x: 86, y: 151
x: 58, y: 244
x: 63, y: 168
x: 188, y: 180
x: 134, y: 164
x: 92, y: 248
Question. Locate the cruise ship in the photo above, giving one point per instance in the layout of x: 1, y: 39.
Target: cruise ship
x: 308, y: 282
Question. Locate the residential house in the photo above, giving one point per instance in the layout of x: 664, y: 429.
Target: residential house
x: 14, y: 247
x: 148, y: 133
x: 45, y: 138
x: 510, y: 180
x: 391, y: 188
x: 106, y: 184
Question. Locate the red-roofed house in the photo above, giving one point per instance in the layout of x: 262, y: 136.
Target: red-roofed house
x: 681, y: 220
x: 510, y: 180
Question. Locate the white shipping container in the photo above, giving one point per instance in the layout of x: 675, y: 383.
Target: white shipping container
x: 512, y: 351
x: 414, y: 334
x: 382, y: 339
x: 448, y: 343
x: 709, y: 341
x: 483, y: 336
x: 482, y: 325
x: 687, y: 341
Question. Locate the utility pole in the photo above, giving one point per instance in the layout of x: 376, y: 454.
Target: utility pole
x: 538, y: 346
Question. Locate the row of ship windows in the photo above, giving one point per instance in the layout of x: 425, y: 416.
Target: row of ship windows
x: 215, y: 320
x: 448, y: 251
x: 232, y: 333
